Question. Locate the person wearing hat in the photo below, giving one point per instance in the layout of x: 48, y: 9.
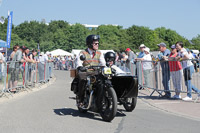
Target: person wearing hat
x: 165, y: 68
x: 176, y: 72
x: 138, y: 65
x: 130, y: 60
x: 93, y: 57
x: 146, y: 66
x: 142, y: 53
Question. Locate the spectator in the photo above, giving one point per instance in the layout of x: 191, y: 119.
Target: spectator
x: 118, y: 59
x: 50, y: 63
x: 146, y: 65
x: 123, y: 60
x: 1, y: 65
x: 15, y: 67
x: 195, y: 56
x: 15, y: 48
x: 188, y: 70
x: 142, y: 53
x: 131, y: 60
x: 41, y: 67
x: 31, y: 65
x: 176, y: 72
x: 75, y: 61
x: 138, y: 64
x: 165, y: 68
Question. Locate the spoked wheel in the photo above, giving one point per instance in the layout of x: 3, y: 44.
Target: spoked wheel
x: 108, y: 108
x: 130, y: 103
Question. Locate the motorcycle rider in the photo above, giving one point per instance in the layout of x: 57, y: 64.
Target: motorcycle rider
x: 110, y: 58
x: 93, y: 57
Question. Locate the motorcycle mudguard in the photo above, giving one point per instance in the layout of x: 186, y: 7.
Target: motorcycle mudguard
x: 74, y: 85
x: 125, y: 86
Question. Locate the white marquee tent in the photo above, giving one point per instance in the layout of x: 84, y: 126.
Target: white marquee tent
x: 60, y: 52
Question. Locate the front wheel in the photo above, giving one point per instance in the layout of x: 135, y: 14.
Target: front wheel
x: 130, y: 103
x: 108, y: 108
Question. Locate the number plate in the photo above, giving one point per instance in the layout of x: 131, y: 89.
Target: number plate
x: 107, y: 71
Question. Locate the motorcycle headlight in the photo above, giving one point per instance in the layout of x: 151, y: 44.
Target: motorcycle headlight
x: 107, y: 70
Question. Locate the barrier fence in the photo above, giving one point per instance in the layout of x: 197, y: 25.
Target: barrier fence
x: 23, y: 76
x: 156, y: 75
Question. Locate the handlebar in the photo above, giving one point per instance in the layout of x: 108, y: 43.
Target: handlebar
x: 84, y: 69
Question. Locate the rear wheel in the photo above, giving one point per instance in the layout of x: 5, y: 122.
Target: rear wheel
x: 130, y: 103
x: 108, y: 103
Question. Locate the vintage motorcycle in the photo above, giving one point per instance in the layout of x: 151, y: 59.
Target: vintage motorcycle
x: 104, y: 89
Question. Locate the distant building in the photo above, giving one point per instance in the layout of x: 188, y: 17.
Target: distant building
x: 89, y: 26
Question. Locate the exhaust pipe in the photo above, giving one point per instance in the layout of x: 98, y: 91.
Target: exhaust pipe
x: 90, y: 101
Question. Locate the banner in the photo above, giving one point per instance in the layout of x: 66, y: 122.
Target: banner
x: 9, y: 28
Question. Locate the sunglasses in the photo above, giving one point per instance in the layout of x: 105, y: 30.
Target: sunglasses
x: 96, y: 43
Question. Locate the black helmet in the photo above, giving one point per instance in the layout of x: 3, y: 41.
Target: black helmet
x: 90, y: 39
x: 110, y: 56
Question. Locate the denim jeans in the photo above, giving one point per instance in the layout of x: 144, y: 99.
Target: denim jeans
x: 188, y: 83
x: 166, y: 81
x: 50, y: 71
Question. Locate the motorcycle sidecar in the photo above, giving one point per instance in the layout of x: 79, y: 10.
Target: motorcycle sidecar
x: 126, y: 88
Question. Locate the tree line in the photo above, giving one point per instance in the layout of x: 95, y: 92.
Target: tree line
x: 61, y: 34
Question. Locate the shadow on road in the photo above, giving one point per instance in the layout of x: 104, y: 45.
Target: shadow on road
x: 76, y: 113
x: 90, y: 115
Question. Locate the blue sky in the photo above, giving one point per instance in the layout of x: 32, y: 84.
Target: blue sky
x: 183, y: 16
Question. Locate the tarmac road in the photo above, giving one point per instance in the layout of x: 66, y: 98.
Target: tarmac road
x: 53, y: 110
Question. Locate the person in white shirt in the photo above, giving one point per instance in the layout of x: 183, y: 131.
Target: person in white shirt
x: 93, y: 57
x: 188, y: 70
x: 41, y: 63
x: 146, y: 65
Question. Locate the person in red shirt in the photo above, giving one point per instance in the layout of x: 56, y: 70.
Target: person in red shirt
x: 176, y: 72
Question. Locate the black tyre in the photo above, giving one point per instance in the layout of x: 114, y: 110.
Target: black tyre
x: 130, y: 104
x: 108, y: 103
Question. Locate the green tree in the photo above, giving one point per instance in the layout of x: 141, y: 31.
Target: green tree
x: 196, y: 42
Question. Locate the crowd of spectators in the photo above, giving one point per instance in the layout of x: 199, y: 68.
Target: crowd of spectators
x: 175, y: 64
x: 22, y: 63
x: 65, y: 62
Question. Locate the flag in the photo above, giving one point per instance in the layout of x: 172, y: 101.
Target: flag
x: 9, y: 28
x: 2, y: 20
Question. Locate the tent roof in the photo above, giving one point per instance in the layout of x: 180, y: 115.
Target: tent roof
x: 60, y: 52
x: 2, y: 43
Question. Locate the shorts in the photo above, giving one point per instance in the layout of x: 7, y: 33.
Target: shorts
x: 14, y: 74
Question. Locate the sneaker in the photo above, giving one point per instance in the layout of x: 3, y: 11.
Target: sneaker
x: 176, y: 97
x: 187, y: 98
